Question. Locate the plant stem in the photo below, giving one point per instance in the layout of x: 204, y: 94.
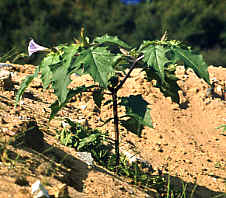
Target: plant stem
x: 128, y: 74
x: 116, y: 122
x: 114, y: 91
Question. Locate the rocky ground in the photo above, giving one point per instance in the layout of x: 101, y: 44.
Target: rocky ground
x: 184, y: 143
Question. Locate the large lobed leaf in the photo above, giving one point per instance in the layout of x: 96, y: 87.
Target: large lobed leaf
x: 45, y: 68
x: 55, y: 70
x: 98, y: 97
x: 155, y: 56
x: 160, y: 55
x: 192, y: 60
x: 137, y: 111
x: 169, y: 87
x: 97, y: 62
x: 61, y: 72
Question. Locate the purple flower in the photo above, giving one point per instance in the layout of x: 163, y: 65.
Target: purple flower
x: 34, y: 47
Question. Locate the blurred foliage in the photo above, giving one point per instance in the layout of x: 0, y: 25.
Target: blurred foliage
x: 201, y: 24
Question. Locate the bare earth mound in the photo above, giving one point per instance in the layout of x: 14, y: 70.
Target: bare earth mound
x: 184, y: 143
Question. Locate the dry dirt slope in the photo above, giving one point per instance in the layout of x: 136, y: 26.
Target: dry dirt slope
x: 183, y: 144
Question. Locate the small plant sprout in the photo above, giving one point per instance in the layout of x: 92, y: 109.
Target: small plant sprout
x: 110, y: 61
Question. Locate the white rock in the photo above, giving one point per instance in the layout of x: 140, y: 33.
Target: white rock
x: 86, y: 157
x: 83, y: 107
x: 4, y: 74
x: 5, y: 65
x: 38, y: 190
x: 131, y: 157
x: 219, y: 89
x: 21, y: 102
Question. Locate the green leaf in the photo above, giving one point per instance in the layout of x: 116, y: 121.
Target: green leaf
x: 98, y: 62
x: 25, y: 83
x: 160, y: 57
x: 98, y: 97
x: 193, y: 60
x: 65, y: 137
x: 45, y: 68
x: 136, y: 108
x: 88, y: 140
x: 133, y: 126
x: 144, y: 45
x: 61, y: 72
x: 155, y: 56
x: 111, y: 39
x: 169, y: 87
x: 136, y: 124
x: 56, y: 106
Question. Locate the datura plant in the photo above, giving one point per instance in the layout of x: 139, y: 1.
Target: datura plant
x: 110, y: 61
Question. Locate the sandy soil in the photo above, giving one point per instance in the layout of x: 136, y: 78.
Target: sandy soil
x: 184, y: 143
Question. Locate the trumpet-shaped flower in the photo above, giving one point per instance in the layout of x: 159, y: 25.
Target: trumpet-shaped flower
x: 34, y: 47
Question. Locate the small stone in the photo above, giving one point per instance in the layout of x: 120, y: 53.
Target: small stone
x: 83, y: 107
x: 38, y: 190
x: 130, y: 157
x: 86, y: 157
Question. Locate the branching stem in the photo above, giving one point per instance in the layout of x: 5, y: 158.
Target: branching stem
x: 114, y: 91
x: 128, y: 74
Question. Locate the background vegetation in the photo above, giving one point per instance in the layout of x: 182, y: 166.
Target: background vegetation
x: 201, y: 24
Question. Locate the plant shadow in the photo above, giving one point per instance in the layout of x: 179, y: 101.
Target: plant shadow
x: 31, y: 96
x: 71, y: 171
x: 191, y: 190
x: 54, y: 162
